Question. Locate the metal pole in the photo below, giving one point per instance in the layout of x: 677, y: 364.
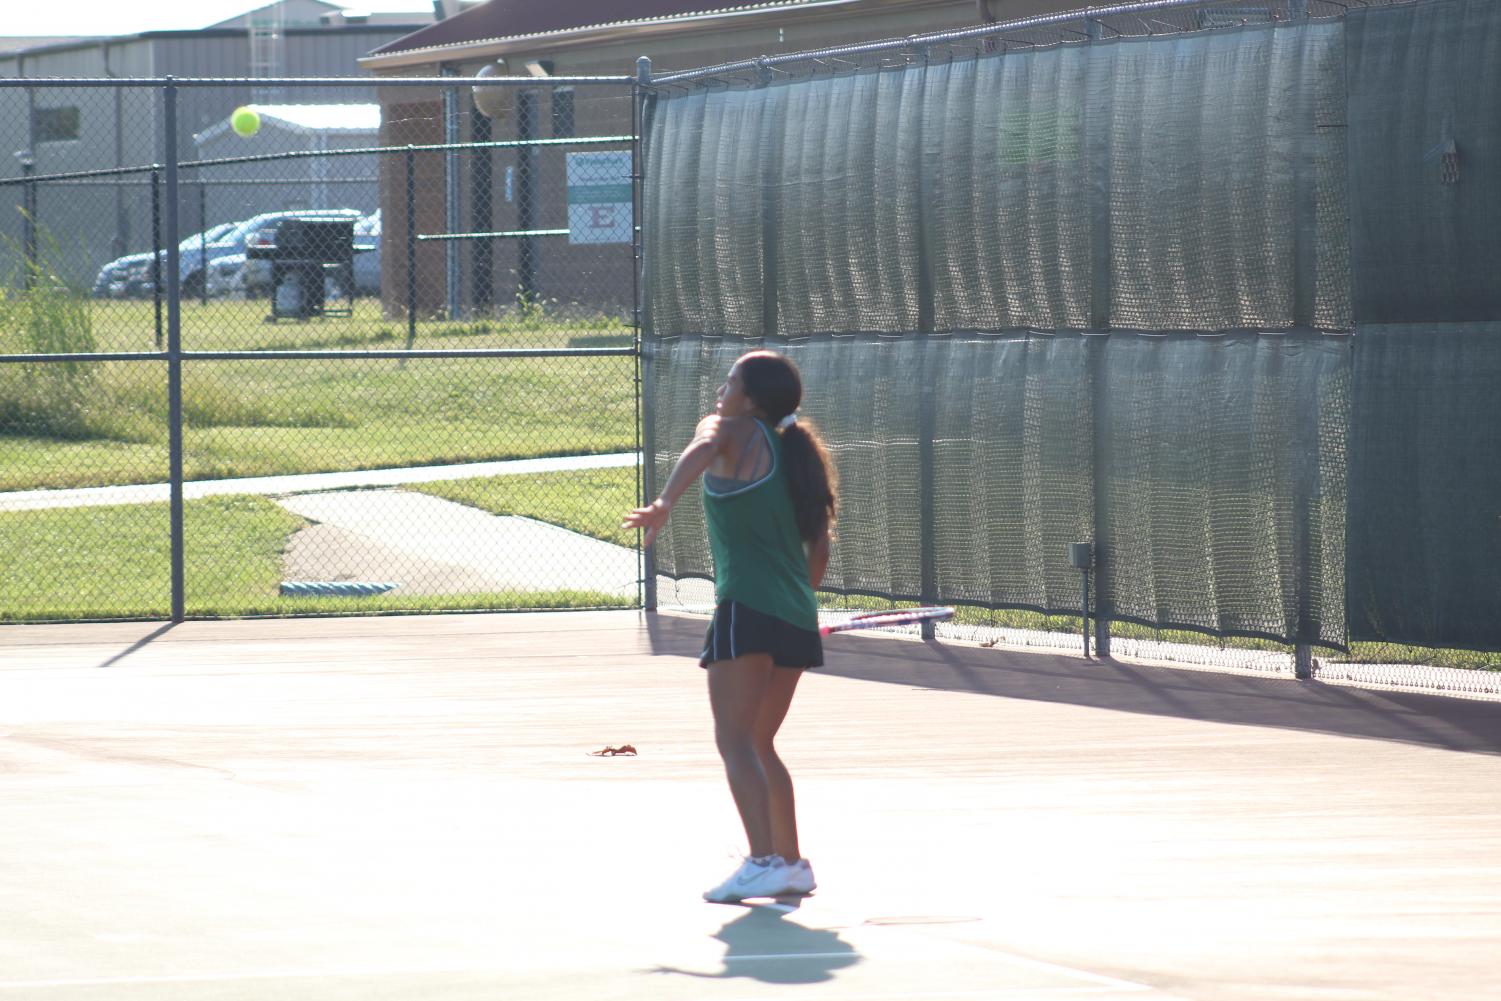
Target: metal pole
x: 646, y: 474
x: 1096, y: 360
x: 927, y: 405
x: 202, y: 242
x: 28, y: 222
x: 1097, y: 347
x: 174, y: 355
x: 482, y: 216
x: 1084, y: 604
x: 122, y: 221
x: 1081, y: 556
x: 411, y: 164
x: 158, y: 268
x: 1306, y: 482
x: 526, y: 157
x: 452, y: 217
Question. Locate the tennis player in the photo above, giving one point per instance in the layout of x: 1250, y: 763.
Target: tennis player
x: 769, y: 496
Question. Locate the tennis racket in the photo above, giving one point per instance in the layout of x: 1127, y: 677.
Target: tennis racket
x: 895, y: 617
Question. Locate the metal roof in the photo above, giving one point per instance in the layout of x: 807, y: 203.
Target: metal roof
x: 15, y: 43
x: 500, y: 20
x: 308, y: 118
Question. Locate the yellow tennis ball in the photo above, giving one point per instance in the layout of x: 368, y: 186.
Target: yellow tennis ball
x: 245, y: 121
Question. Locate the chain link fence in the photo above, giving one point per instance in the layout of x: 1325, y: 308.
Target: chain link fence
x: 370, y: 348
x: 1090, y: 277
x: 303, y: 356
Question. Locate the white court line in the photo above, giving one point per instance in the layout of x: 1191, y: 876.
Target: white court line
x: 193, y: 978
x: 794, y: 955
x: 206, y: 978
x: 1102, y: 984
x: 1105, y: 982
x: 1107, y: 985
x: 978, y: 994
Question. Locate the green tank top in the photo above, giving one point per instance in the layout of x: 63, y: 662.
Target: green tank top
x: 759, y: 558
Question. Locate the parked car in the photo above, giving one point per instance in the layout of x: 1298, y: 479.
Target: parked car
x: 193, y: 252
x: 121, y: 278
x: 260, y: 232
x: 226, y: 276
x: 110, y: 283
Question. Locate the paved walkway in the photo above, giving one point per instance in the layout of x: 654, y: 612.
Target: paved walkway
x: 405, y: 807
x: 428, y: 545
x: 150, y: 493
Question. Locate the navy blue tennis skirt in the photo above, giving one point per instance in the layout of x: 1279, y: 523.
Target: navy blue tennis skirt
x: 737, y: 630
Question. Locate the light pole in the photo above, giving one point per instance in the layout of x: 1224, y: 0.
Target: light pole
x: 28, y: 215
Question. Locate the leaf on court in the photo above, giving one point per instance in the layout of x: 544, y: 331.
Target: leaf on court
x: 611, y: 752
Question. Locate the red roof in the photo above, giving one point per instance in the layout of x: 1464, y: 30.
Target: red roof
x: 514, y: 18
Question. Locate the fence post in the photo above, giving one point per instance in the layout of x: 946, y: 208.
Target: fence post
x: 927, y: 401
x: 174, y: 353
x: 411, y: 165
x: 526, y: 162
x: 28, y: 221
x: 644, y: 359
x: 453, y: 221
x: 158, y: 266
x: 202, y: 242
x: 1097, y: 347
x: 481, y: 216
x: 1307, y: 478
x: 1096, y: 350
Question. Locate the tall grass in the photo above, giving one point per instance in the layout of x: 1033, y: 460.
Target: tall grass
x: 109, y: 424
x: 41, y: 314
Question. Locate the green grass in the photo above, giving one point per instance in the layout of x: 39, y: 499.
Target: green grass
x: 1362, y: 653
x: 257, y: 418
x: 114, y: 563
x: 1393, y: 653
x: 240, y: 325
x: 589, y: 501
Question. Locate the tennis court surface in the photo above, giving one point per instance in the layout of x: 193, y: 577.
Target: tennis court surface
x: 407, y: 807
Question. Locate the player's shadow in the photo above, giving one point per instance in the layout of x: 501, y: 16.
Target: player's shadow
x: 763, y: 945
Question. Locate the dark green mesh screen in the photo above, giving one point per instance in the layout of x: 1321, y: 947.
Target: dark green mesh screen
x: 1425, y: 486
x: 1212, y: 152
x: 1013, y: 450
x: 1223, y: 477
x: 939, y: 243
x: 1012, y: 212
x: 1181, y: 183
x: 1425, y: 161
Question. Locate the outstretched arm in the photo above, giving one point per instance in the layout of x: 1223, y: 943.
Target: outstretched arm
x: 708, y: 441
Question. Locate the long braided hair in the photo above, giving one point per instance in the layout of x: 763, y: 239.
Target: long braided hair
x: 773, y: 383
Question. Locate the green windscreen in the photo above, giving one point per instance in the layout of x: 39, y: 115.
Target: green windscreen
x: 1105, y: 292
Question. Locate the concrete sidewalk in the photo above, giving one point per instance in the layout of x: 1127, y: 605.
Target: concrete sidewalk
x: 358, y: 808
x: 156, y: 493
x: 433, y: 546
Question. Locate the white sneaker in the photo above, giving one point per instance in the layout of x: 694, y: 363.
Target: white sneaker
x: 800, y: 877
x: 767, y: 876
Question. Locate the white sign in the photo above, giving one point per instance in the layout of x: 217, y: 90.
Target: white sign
x: 599, y: 197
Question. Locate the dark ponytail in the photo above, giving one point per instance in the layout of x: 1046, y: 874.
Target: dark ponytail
x: 812, y: 479
x: 772, y: 382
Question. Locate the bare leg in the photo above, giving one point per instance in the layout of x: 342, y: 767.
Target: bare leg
x: 737, y: 689
x: 781, y: 806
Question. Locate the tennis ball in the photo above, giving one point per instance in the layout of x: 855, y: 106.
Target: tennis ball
x: 245, y: 121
